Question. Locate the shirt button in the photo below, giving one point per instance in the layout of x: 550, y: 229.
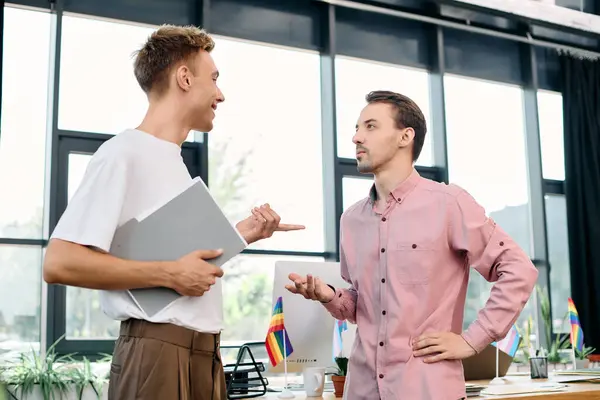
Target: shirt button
x: 381, y: 376
x: 414, y: 246
x: 381, y: 343
x: 501, y: 243
x: 382, y: 280
x: 383, y: 312
x: 383, y: 219
x: 383, y: 250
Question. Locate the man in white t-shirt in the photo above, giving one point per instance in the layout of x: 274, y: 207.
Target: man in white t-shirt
x: 175, y: 353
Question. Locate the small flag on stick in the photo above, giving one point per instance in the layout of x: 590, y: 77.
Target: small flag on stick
x: 576, y: 331
x: 277, y: 342
x: 338, y: 328
x: 510, y: 343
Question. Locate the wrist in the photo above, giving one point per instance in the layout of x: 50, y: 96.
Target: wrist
x: 329, y: 296
x: 165, y: 272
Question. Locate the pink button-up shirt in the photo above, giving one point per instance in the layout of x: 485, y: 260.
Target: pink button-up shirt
x: 408, y: 269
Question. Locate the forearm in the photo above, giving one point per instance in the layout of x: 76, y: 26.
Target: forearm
x: 515, y: 277
x: 343, y: 305
x: 71, y: 264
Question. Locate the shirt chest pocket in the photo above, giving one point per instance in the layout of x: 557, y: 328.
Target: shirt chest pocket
x: 412, y: 263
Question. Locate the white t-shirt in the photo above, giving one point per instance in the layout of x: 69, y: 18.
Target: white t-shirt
x: 131, y: 175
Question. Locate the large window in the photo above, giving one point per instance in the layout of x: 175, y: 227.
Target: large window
x: 356, y: 78
x: 266, y: 144
x: 22, y: 169
x: 486, y: 156
x: 23, y: 129
x: 550, y: 113
x: 98, y: 90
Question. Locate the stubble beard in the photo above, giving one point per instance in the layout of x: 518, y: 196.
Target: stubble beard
x: 364, y: 167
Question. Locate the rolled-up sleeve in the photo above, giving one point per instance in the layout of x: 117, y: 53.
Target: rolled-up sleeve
x: 498, y: 258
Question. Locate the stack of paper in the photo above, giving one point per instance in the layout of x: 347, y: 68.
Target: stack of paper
x: 474, y: 390
x: 522, y: 388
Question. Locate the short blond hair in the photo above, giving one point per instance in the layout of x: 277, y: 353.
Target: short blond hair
x: 166, y: 47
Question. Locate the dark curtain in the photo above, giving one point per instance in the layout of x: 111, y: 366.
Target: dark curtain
x: 581, y: 107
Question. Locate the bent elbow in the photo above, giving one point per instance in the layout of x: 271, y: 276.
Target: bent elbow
x: 533, y: 275
x: 52, y: 269
x: 51, y: 272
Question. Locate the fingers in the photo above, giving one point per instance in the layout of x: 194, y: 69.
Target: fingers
x: 291, y: 288
x: 289, y: 227
x: 267, y: 216
x: 439, y: 357
x: 429, y: 350
x: 318, y: 290
x: 428, y: 339
x: 208, y: 254
x: 293, y: 276
x: 310, y: 287
x: 218, y: 272
x: 270, y: 217
x: 276, y: 217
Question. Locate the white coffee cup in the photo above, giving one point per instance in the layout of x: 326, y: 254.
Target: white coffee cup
x: 314, y: 381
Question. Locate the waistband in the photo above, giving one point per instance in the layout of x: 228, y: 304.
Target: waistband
x: 169, y: 333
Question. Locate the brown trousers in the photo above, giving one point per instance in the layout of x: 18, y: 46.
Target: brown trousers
x: 165, y: 362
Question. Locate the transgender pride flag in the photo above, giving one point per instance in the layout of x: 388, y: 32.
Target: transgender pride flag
x: 510, y: 343
x: 338, y: 328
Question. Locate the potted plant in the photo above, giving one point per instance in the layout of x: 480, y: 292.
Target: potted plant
x: 560, y: 341
x: 339, y: 378
x: 49, y: 377
x: 582, y: 357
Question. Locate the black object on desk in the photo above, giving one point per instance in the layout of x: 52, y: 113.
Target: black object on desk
x: 244, y: 378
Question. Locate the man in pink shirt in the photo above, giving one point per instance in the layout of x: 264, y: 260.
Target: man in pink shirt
x: 406, y: 251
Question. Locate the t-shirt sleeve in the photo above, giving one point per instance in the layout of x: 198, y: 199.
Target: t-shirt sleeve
x: 94, y: 212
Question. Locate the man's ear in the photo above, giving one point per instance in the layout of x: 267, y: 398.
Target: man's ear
x: 406, y: 137
x: 183, y: 76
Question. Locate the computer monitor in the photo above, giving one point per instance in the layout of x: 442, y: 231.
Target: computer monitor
x: 309, y: 325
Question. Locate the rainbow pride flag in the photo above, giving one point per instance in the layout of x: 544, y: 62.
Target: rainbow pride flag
x: 277, y: 342
x: 510, y: 343
x: 576, y: 331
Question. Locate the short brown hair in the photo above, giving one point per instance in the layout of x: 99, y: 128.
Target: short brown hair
x: 408, y: 115
x: 166, y: 47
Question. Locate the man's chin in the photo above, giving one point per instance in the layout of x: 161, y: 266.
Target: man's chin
x: 364, y: 168
x: 205, y: 127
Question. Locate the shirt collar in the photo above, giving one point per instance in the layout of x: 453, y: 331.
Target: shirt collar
x: 401, y: 190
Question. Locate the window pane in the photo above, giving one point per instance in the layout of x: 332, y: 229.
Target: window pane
x: 266, y: 145
x: 98, y: 91
x: 485, y: 118
x: 85, y: 318
x: 23, y: 129
x: 20, y: 299
x: 248, y: 292
x: 354, y: 79
x: 354, y: 190
x: 558, y: 252
x: 550, y: 113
